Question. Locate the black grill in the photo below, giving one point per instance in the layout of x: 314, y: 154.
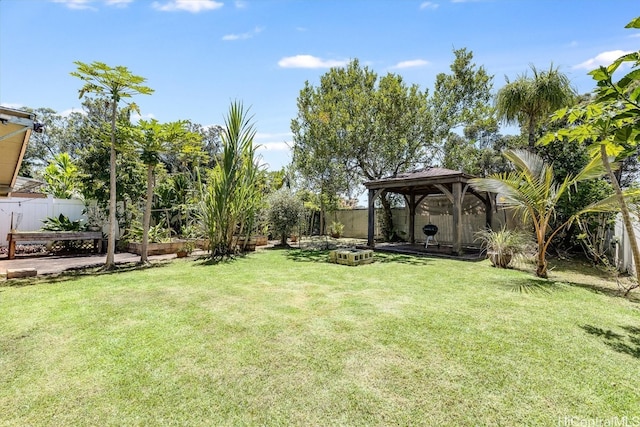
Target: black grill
x: 430, y: 229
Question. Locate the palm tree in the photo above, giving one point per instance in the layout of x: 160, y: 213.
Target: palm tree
x: 115, y: 83
x: 152, y: 140
x: 527, y: 101
x: 532, y: 191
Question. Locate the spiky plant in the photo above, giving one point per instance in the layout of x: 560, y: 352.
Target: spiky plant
x: 232, y: 195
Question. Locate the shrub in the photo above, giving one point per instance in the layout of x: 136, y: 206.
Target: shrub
x: 284, y: 213
x: 62, y: 223
x: 336, y: 228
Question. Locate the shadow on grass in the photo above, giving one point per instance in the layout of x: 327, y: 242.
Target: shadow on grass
x: 532, y: 285
x: 402, y: 259
x: 608, y: 291
x: 72, y: 274
x: 577, y: 266
x: 317, y: 255
x: 626, y: 343
x: 206, y: 261
x: 307, y: 255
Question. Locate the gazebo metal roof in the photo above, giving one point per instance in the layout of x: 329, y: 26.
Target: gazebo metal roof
x: 15, y: 129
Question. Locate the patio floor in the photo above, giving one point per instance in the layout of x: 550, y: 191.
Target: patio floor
x: 53, y: 264
x: 441, y: 251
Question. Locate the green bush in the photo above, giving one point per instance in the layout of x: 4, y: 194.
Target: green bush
x: 62, y: 223
x: 284, y: 213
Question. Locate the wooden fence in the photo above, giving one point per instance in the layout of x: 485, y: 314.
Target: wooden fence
x: 355, y: 224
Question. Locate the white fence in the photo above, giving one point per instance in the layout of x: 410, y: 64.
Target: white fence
x: 623, y: 254
x: 27, y: 214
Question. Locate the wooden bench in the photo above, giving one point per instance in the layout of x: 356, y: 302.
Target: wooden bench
x: 49, y: 236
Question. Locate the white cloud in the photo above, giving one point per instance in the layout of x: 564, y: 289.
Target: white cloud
x: 274, y: 146
x: 429, y: 5
x: 273, y: 141
x: 309, y: 61
x: 301, y: 29
x: 86, y: 4
x: 263, y: 135
x: 243, y: 36
x: 603, y: 58
x: 240, y: 4
x: 76, y: 4
x: 193, y: 6
x: 118, y: 3
x: 12, y: 106
x: 411, y: 64
x: 67, y: 112
x: 135, y: 117
x: 572, y: 43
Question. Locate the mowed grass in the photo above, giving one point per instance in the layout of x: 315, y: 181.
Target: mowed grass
x: 284, y: 338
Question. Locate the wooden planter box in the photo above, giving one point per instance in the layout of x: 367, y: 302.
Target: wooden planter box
x: 157, y: 248
x: 250, y: 245
x: 261, y: 240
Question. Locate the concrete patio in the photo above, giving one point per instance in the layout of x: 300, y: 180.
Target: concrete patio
x: 53, y: 264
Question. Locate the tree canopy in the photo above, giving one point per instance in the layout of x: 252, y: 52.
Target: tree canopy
x: 355, y: 126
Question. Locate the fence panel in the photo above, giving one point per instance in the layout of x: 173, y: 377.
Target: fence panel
x: 623, y: 254
x: 27, y: 214
x: 355, y: 224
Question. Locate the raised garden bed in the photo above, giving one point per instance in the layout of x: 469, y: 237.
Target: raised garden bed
x: 157, y: 248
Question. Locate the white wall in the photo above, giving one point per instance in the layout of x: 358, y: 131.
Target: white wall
x: 28, y: 214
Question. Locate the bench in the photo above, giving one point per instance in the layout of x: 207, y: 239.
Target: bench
x: 48, y: 236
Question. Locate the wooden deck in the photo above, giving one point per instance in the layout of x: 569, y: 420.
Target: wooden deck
x: 442, y: 251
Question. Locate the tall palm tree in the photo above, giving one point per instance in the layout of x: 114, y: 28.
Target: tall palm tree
x: 115, y: 83
x: 532, y: 191
x: 527, y: 101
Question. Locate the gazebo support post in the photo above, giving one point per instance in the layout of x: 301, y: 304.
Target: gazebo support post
x: 371, y: 219
x: 488, y: 208
x: 412, y: 218
x: 457, y: 218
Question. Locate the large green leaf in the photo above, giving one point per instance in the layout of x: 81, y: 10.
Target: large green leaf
x: 635, y: 23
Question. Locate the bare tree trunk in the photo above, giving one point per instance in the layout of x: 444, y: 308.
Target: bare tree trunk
x: 541, y: 270
x: 626, y: 216
x: 532, y: 135
x: 111, y: 241
x: 146, y: 221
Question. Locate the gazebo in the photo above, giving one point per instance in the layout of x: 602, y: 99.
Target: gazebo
x: 415, y: 186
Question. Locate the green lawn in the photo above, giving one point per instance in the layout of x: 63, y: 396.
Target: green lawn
x: 284, y: 338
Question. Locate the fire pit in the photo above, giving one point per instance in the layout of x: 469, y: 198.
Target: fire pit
x: 430, y: 230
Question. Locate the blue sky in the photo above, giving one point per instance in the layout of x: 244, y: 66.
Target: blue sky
x: 199, y: 55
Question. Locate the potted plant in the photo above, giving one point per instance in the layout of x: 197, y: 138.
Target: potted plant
x: 335, y: 229
x: 186, y: 249
x: 502, y: 245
